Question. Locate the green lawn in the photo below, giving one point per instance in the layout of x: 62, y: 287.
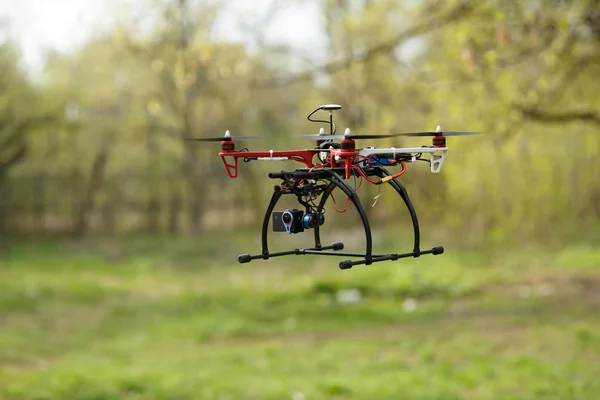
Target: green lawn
x: 180, y: 319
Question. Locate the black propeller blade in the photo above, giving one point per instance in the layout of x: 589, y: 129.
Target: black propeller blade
x: 436, y: 134
x: 390, y: 135
x: 221, y: 138
x: 227, y: 137
x: 315, y: 136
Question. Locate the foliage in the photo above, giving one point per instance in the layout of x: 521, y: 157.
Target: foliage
x: 524, y: 73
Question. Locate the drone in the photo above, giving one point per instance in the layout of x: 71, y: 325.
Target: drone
x: 330, y: 165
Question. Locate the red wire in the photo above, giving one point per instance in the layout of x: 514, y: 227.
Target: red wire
x: 359, y: 184
x: 401, y: 172
x: 362, y: 174
x: 345, y: 207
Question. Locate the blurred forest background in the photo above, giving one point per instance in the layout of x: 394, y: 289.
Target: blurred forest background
x: 94, y: 144
x: 149, y: 302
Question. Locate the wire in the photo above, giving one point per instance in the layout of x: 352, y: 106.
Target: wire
x: 363, y: 175
x: 398, y: 174
x: 348, y: 202
x: 383, y: 180
x: 359, y: 183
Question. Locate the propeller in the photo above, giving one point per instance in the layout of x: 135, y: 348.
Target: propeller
x: 321, y: 136
x: 438, y: 132
x: 227, y: 137
x: 349, y: 135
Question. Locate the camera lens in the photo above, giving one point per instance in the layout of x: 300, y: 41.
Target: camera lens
x: 287, y: 218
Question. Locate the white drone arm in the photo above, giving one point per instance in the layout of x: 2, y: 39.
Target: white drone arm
x: 437, y: 154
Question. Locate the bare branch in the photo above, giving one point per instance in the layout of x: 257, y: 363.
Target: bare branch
x: 425, y: 26
x: 14, y: 158
x: 539, y: 115
x: 253, y: 29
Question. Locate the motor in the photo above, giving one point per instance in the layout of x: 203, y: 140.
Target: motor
x: 313, y: 220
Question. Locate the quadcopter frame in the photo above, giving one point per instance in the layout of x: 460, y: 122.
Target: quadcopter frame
x: 338, y: 163
x: 340, y: 167
x: 345, y: 155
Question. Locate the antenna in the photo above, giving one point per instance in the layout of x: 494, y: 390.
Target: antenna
x: 330, y: 108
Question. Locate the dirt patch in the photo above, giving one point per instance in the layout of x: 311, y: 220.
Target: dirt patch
x: 549, y: 285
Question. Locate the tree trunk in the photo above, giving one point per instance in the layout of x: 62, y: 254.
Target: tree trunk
x: 153, y: 205
x: 196, y: 199
x: 39, y: 204
x: 3, y: 201
x: 174, y: 211
x: 94, y: 184
x: 192, y: 168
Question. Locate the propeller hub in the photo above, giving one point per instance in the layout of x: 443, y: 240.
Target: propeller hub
x: 348, y: 143
x: 227, y: 144
x: 321, y: 133
x: 439, y: 141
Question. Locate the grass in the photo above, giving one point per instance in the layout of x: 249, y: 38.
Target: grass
x: 178, y: 319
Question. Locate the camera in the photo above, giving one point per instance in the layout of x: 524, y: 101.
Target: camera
x: 294, y: 221
x: 289, y: 221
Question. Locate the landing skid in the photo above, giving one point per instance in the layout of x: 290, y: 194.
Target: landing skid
x: 290, y: 185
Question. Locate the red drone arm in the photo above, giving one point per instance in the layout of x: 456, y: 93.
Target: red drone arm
x: 303, y: 156
x: 346, y: 153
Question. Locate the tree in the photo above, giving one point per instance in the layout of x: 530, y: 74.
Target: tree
x: 22, y: 113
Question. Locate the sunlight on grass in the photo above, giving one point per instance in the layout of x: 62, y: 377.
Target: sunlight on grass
x: 158, y: 323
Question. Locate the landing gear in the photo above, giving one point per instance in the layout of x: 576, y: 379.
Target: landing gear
x: 304, y: 182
